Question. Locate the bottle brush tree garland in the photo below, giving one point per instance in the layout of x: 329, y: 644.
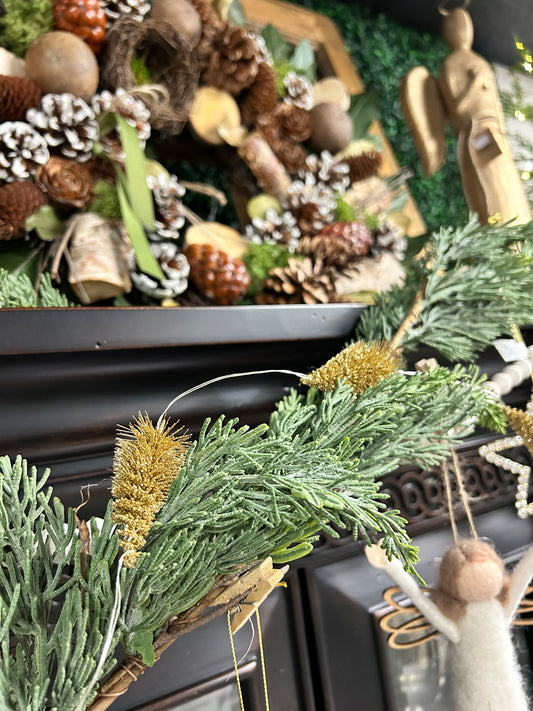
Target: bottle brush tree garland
x: 190, y: 517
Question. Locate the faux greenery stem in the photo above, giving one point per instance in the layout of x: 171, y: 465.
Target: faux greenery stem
x: 411, y: 318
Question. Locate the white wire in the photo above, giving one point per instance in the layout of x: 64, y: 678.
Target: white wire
x: 225, y: 377
x: 113, y: 619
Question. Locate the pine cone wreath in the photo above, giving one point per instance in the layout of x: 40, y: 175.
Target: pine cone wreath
x: 85, y: 18
x: 17, y: 202
x: 132, y: 9
x: 234, y: 60
x: 67, y: 123
x: 167, y: 194
x: 67, y: 183
x: 261, y: 97
x: 223, y: 279
x: 22, y: 150
x: 300, y: 282
x: 17, y: 95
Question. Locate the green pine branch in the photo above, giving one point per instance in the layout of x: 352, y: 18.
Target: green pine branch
x: 475, y: 285
x: 17, y: 291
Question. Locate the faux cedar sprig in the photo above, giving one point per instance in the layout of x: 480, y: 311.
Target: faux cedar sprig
x: 469, y: 287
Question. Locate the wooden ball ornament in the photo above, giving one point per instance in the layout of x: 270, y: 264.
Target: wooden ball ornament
x: 61, y: 62
x: 181, y: 15
x: 332, y: 128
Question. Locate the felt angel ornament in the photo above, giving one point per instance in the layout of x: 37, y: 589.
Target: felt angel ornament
x: 473, y: 606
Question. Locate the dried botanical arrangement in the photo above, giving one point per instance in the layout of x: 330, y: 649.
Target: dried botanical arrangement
x: 195, y: 524
x: 96, y: 96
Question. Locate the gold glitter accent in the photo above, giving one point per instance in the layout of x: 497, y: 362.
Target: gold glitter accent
x: 147, y: 460
x: 360, y: 364
x: 522, y: 423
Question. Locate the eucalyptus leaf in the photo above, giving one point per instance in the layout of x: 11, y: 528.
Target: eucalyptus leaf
x: 145, y: 259
x: 143, y: 643
x: 363, y: 110
x: 47, y: 223
x: 137, y: 190
x: 279, y: 48
x: 303, y: 60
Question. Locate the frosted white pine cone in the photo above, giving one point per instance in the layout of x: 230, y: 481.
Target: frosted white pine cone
x: 134, y: 9
x: 67, y: 123
x: 299, y: 90
x: 167, y: 193
x: 22, y: 150
x: 328, y: 170
x: 174, y: 265
x: 274, y: 229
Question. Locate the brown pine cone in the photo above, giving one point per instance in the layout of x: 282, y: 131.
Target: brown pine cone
x: 17, y: 95
x: 234, y: 60
x: 300, y: 282
x: 356, y: 235
x: 330, y: 253
x: 217, y: 276
x: 295, y: 122
x: 212, y: 25
x: 290, y: 153
x: 66, y: 182
x: 261, y: 97
x: 17, y: 202
x: 85, y: 18
x: 363, y: 165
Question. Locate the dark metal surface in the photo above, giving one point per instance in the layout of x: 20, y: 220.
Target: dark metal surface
x: 93, y: 328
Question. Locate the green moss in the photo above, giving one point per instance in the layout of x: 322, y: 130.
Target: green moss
x: 141, y: 73
x: 23, y: 22
x: 106, y: 202
x: 260, y: 259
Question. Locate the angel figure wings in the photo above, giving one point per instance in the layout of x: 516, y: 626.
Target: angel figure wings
x: 465, y: 95
x: 473, y: 604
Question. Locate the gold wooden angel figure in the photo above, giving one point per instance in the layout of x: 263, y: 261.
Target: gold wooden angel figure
x: 465, y: 95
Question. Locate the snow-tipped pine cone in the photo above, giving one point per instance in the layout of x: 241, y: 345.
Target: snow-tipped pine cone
x: 67, y: 123
x: 22, y: 151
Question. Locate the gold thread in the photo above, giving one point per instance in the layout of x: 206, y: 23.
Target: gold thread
x: 235, y: 665
x: 263, y: 666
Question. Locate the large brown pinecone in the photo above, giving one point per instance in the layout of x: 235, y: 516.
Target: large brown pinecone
x: 261, y: 97
x: 17, y: 95
x: 131, y: 9
x: 22, y: 150
x: 301, y: 282
x: 223, y: 279
x: 67, y: 183
x: 212, y: 26
x: 234, y: 60
x: 67, y: 123
x: 17, y: 202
